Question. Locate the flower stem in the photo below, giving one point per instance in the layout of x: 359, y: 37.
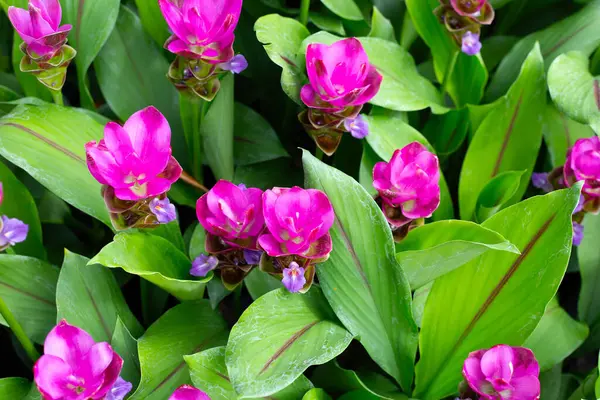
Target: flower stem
x: 187, y: 178
x: 448, y: 73
x: 304, y: 7
x: 18, y: 331
x: 57, y: 97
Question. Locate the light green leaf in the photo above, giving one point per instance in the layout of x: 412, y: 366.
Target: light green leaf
x: 267, y: 350
x: 367, y: 163
x: 328, y: 21
x: 589, y: 267
x: 502, y: 286
x: 316, y: 394
x: 419, y: 301
x: 496, y: 193
x: 153, y: 21
x: 508, y: 139
x: 126, y: 346
x: 185, y: 329
x: 381, y: 27
x: 362, y: 279
x: 346, y: 9
x: 433, y: 250
x: 89, y: 297
x: 14, y: 388
x: 260, y: 283
x: 154, y: 259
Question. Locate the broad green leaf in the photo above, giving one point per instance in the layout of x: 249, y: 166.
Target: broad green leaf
x: 126, y: 346
x: 589, y: 267
x: 586, y: 389
x: 216, y: 292
x: 508, y: 139
x: 328, y: 21
x: 260, y: 283
x: 346, y: 9
x: 269, y: 349
x: 197, y: 242
x: 131, y: 74
x: 48, y: 142
x: 217, y: 131
x: 419, y: 301
x: 362, y: 280
x: 254, y: 139
x: 495, y: 48
x: 316, y: 394
x: 266, y: 175
x: 170, y: 232
x: 28, y: 287
x: 496, y: 193
x: 556, y: 337
x: 447, y: 132
x: 154, y: 259
x: 209, y: 372
x: 506, y: 293
x: 18, y: 203
x: 433, y: 250
x: 381, y: 27
x: 282, y: 38
x: 93, y: 22
x: 561, y: 133
x: 367, y: 163
x: 185, y: 329
x: 14, y: 388
x: 467, y: 82
x: 89, y: 297
x: 153, y: 21
x: 578, y: 32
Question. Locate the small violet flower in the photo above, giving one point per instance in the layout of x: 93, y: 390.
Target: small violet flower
x: 470, y: 43
x: 503, y: 372
x: 298, y: 223
x: 75, y: 367
x: 583, y: 164
x: 293, y: 277
x: 410, y: 181
x: 358, y: 127
x: 577, y: 233
x: 236, y: 65
x: 135, y: 159
x: 203, y: 29
x: 12, y: 231
x: 39, y: 27
x: 163, y: 209
x: 540, y: 181
x: 203, y: 264
x: 119, y: 390
x: 252, y: 257
x: 340, y: 76
x: 187, y: 392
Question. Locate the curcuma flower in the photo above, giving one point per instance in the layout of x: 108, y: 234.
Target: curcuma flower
x: 12, y: 230
x: 503, y: 373
x: 583, y: 164
x: 75, y: 367
x: 187, y: 392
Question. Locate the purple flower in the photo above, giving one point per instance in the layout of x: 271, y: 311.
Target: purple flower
x: 580, y: 205
x: 236, y: 65
x: 252, y: 257
x: 470, y: 43
x: 358, y: 127
x: 163, y: 209
x: 583, y: 164
x: 119, y: 390
x: 577, y: 234
x: 540, y: 181
x: 293, y: 277
x: 187, y: 392
x: 12, y: 231
x: 203, y: 264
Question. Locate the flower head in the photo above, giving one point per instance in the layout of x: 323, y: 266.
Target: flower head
x: 470, y: 43
x: 202, y: 29
x: 187, y: 392
x: 233, y: 213
x: 410, y: 181
x: 358, y: 127
x: 298, y: 223
x: 583, y: 164
x: 119, y: 390
x: 503, y: 372
x: 75, y: 367
x: 12, y: 231
x: 340, y: 76
x: 293, y: 277
x: 39, y: 27
x: 203, y: 264
x: 236, y: 65
x: 135, y: 159
x: 163, y: 209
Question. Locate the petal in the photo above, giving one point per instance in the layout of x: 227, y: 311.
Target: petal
x: 254, y: 198
x: 103, y: 166
x: 174, y: 18
x: 372, y: 85
x: 178, y: 46
x: 51, y: 11
x: 14, y: 230
x: 68, y: 343
x: 271, y: 245
x: 97, y: 360
x: 22, y: 23
x: 525, y: 388
x: 187, y: 392
x: 318, y: 75
x: 39, y: 26
x: 322, y: 209
x: 381, y: 176
x: 51, y: 375
x: 293, y: 209
x: 498, y: 363
x: 228, y: 203
x: 309, y: 96
x: 269, y: 211
x: 111, y: 374
x: 472, y: 372
x: 525, y: 362
x: 118, y: 142
x: 320, y: 248
x: 119, y: 390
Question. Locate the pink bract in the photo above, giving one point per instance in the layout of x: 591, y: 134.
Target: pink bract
x: 583, y: 164
x: 340, y: 76
x: 298, y: 223
x: 135, y: 159
x: 187, y: 392
x: 74, y: 367
x: 202, y: 29
x: 410, y: 181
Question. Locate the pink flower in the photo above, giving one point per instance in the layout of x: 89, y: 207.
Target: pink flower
x: 340, y: 76
x: 75, y: 367
x: 39, y: 27
x: 298, y: 223
x: 503, y: 373
x: 135, y: 159
x: 410, y: 181
x: 187, y: 392
x: 583, y: 164
x: 233, y: 213
x: 203, y: 29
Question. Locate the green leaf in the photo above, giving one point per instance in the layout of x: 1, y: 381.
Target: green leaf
x: 496, y: 193
x: 578, y: 32
x: 89, y: 297
x: 284, y: 50
x: 209, y: 372
x: 48, y: 142
x: 260, y: 283
x: 153, y: 21
x: 346, y: 9
x: 217, y: 131
x: 255, y: 140
x: 367, y: 163
x: 14, y: 388
x: 508, y: 139
x: 589, y: 267
x: 269, y: 349
x: 419, y: 301
x: 505, y: 296
x: 197, y: 242
x: 154, y: 259
x: 316, y: 394
x: 362, y: 279
x: 126, y: 346
x: 266, y: 175
x: 18, y: 203
x: 381, y: 27
x: 556, y: 337
x: 495, y: 48
x: 328, y: 21
x: 131, y: 74
x: 447, y: 132
x: 185, y: 329
x: 433, y: 250
x: 93, y: 22
x: 28, y: 287
x: 467, y: 82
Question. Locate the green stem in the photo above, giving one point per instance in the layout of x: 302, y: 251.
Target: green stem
x: 57, y: 96
x: 192, y: 111
x: 18, y: 331
x: 448, y: 73
x: 304, y: 7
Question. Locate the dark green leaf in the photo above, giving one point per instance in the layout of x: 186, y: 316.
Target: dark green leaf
x: 126, y: 346
x: 589, y: 267
x: 496, y: 193
x: 381, y: 27
x: 14, y: 388
x: 260, y: 283
x: 346, y: 9
x: 153, y: 21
